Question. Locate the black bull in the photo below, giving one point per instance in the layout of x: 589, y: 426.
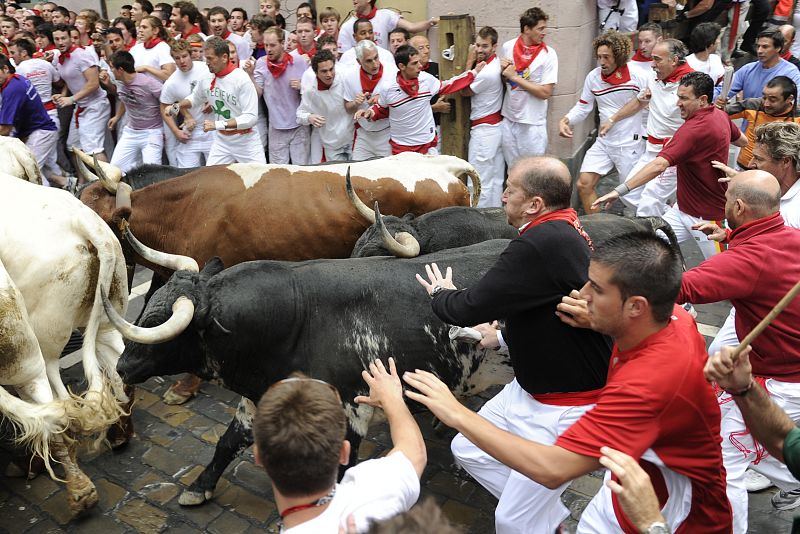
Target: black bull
x: 257, y: 322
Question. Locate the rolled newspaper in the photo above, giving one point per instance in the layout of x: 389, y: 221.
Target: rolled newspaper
x: 727, y: 80
x: 467, y: 335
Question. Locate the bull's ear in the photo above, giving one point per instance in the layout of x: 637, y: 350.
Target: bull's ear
x: 213, y: 266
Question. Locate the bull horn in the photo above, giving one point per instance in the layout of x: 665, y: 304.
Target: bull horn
x: 360, y: 207
x: 182, y: 313
x: 83, y: 170
x: 175, y: 262
x: 110, y: 186
x: 476, y: 186
x: 123, y: 196
x: 402, y: 245
x: 108, y: 174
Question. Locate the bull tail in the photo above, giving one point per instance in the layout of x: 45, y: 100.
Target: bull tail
x: 476, y: 186
x: 98, y: 406
x: 35, y: 425
x: 658, y: 223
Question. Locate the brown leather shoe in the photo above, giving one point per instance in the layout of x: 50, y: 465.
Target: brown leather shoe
x: 182, y: 390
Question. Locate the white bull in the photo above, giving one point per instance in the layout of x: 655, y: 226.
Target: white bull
x: 18, y: 160
x: 60, y: 255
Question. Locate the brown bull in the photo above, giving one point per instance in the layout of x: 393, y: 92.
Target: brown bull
x: 244, y: 212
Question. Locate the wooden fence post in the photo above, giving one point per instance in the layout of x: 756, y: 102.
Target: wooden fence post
x: 456, y: 33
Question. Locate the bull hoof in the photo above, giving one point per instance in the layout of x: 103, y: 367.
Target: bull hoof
x: 120, y: 434
x: 182, y: 390
x: 194, y: 498
x: 81, y: 498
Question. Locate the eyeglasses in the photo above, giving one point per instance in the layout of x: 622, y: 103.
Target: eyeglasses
x: 306, y: 379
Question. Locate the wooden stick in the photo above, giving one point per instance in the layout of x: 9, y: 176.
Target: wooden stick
x: 755, y: 332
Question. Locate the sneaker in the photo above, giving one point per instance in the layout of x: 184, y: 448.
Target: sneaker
x: 786, y: 500
x: 755, y: 481
x: 690, y: 310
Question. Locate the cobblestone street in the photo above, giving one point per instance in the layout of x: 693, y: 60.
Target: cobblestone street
x: 139, y: 485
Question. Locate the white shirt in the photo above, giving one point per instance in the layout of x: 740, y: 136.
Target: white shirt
x: 352, y: 88
x: 610, y: 99
x: 384, y: 21
x: 790, y: 205
x: 282, y: 101
x: 712, y: 66
x: 411, y: 118
x: 338, y: 128
x: 179, y: 86
x: 519, y: 105
x: 243, y: 49
x: 488, y: 89
x: 386, y: 58
x: 372, y: 491
x: 665, y: 117
x: 233, y: 97
x: 154, y: 57
x: 41, y: 74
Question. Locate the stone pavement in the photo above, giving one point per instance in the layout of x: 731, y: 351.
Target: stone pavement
x: 139, y: 485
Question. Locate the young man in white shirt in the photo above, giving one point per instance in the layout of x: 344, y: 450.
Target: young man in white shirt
x: 193, y: 143
x: 218, y: 18
x: 234, y: 102
x: 383, y: 21
x: 299, y: 431
x: 322, y: 107
x: 362, y: 30
x: 530, y: 70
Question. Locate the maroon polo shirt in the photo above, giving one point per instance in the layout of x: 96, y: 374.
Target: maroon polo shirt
x: 704, y: 137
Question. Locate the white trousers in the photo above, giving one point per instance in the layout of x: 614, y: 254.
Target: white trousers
x: 51, y: 165
x: 43, y: 145
x: 170, y: 146
x: 603, y: 156
x: 370, y: 144
x: 650, y: 200
x: 525, y: 506
x: 315, y: 147
x: 740, y: 451
x: 522, y: 140
x: 240, y: 148
x: 191, y: 154
x: 289, y: 144
x: 486, y: 155
x: 682, y: 223
x: 342, y: 153
x: 136, y: 147
x: 87, y: 131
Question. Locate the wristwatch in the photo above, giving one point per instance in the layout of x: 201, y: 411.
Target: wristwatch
x: 657, y: 528
x: 436, y: 290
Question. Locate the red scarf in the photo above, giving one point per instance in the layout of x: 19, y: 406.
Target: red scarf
x: 276, y: 69
x: 619, y: 76
x: 193, y: 30
x: 8, y: 80
x: 221, y: 74
x: 567, y: 214
x: 409, y: 87
x: 638, y: 56
x: 226, y: 35
x: 368, y: 84
x: 63, y: 57
x: 524, y: 55
x: 679, y: 72
x: 40, y: 53
x: 370, y: 15
x: 130, y: 45
x: 310, y: 53
x: 152, y: 42
x: 787, y: 56
x: 491, y: 58
x: 321, y: 86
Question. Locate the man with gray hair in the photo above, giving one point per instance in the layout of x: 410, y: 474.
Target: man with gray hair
x: 361, y: 88
x: 363, y: 33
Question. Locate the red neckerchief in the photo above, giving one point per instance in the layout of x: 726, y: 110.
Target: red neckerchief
x: 321, y: 86
x: 679, y: 72
x: 41, y: 51
x: 567, y: 214
x: 524, y: 55
x: 276, y: 69
x: 221, y: 74
x: 370, y: 15
x: 310, y: 53
x: 491, y: 58
x: 639, y: 57
x: 368, y: 84
x: 227, y: 34
x: 619, y: 76
x: 63, y: 57
x: 787, y: 56
x: 193, y: 30
x: 152, y: 42
x: 409, y: 87
x: 130, y: 45
x: 3, y: 88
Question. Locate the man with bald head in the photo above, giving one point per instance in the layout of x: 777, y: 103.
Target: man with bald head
x: 788, y: 32
x: 558, y: 369
x: 758, y: 269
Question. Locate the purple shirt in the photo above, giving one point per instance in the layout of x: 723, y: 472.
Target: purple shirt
x: 282, y: 101
x: 72, y: 70
x: 22, y: 107
x: 141, y: 99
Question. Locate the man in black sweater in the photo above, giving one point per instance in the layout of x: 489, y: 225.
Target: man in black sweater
x: 559, y: 369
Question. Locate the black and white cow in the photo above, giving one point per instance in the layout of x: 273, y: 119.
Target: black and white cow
x: 253, y: 324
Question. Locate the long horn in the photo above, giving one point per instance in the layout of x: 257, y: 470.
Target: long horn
x: 112, y: 173
x: 182, y: 313
x: 175, y: 262
x: 110, y: 186
x: 360, y: 207
x: 408, y: 248
x: 123, y: 197
x: 476, y: 186
x: 83, y: 170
